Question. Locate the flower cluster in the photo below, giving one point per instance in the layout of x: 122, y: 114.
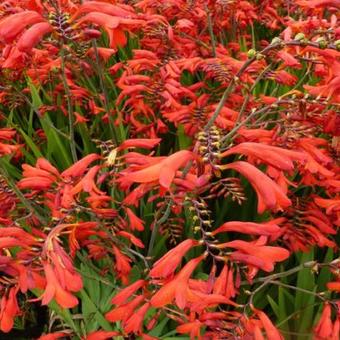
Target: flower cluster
x: 158, y: 161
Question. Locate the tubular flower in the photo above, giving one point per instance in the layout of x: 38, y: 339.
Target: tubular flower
x: 101, y: 335
x: 135, y: 222
x: 269, y: 194
x: 135, y: 323
x: 325, y: 329
x: 224, y: 284
x: 6, y: 148
x: 272, y: 155
x: 166, y: 265
x: 69, y: 184
x: 53, y: 336
x: 164, y: 171
x: 9, y: 309
x: 54, y: 290
x: 67, y: 22
x: 13, y: 25
x: 122, y: 265
x: 249, y: 228
x: 125, y: 311
x: 193, y: 328
x: 125, y: 293
x: 139, y: 143
x: 112, y: 18
x: 263, y: 257
x: 177, y: 287
x: 271, y: 331
x: 78, y: 168
x: 31, y: 37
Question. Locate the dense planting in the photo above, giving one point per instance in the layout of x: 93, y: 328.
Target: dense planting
x: 170, y: 169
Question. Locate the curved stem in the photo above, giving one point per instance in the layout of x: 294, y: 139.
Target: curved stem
x: 157, y: 224
x: 20, y: 195
x: 69, y: 107
x: 247, y: 63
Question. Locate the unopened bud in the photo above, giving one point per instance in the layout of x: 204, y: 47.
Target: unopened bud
x: 310, y: 264
x: 259, y: 56
x: 322, y: 43
x: 337, y: 45
x: 92, y: 33
x: 251, y: 53
x: 300, y: 36
x: 276, y: 40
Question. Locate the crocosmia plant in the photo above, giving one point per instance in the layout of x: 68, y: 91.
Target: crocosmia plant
x: 170, y: 169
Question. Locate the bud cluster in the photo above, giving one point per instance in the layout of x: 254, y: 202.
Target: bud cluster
x: 209, y: 145
x: 228, y: 187
x: 201, y: 214
x: 60, y: 23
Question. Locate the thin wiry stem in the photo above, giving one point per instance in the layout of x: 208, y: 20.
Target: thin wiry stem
x: 247, y: 98
x: 244, y: 67
x: 157, y: 224
x: 278, y: 283
x: 20, y: 195
x: 308, y: 264
x: 49, y: 123
x: 197, y: 41
x: 69, y: 107
x: 296, y: 313
x: 211, y: 32
x: 105, y: 93
x: 232, y: 132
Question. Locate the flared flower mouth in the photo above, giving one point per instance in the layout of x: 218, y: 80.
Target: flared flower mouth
x: 169, y: 169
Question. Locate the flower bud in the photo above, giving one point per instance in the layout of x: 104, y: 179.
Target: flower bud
x: 92, y: 33
x: 322, y: 43
x: 300, y: 36
x: 337, y: 45
x: 276, y: 40
x: 251, y: 53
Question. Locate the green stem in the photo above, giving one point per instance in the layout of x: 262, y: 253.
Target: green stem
x: 211, y: 32
x: 105, y: 93
x: 296, y: 313
x: 20, y: 195
x: 278, y: 283
x: 157, y: 225
x: 69, y: 107
x: 246, y: 64
x: 247, y: 98
x: 232, y: 132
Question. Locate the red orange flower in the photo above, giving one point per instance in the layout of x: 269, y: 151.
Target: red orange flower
x: 269, y: 194
x: 164, y: 171
x: 9, y: 309
x: 258, y: 255
x: 54, y: 290
x: 177, y: 287
x: 166, y: 265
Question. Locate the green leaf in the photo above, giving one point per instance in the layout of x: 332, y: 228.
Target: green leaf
x: 157, y: 331
x: 305, y: 280
x: 55, y: 146
x: 31, y: 144
x: 63, y: 313
x: 183, y: 140
x: 90, y: 311
x: 325, y: 274
x: 274, y: 305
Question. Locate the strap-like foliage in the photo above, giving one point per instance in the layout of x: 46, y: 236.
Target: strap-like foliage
x: 170, y: 168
